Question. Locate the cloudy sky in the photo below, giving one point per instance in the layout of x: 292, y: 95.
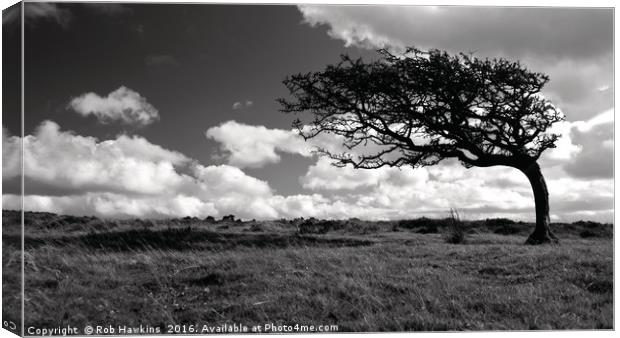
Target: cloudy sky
x: 169, y: 110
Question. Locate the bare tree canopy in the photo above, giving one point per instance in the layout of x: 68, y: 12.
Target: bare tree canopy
x: 420, y: 107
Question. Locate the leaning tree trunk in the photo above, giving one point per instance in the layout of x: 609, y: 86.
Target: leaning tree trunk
x: 542, y: 233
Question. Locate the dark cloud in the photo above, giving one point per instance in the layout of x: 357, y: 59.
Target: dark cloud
x: 61, y: 14
x: 597, y: 155
x: 553, y: 33
x: 41, y: 11
x: 574, y: 46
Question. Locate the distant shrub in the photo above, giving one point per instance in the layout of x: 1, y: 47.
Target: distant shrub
x: 502, y: 226
x: 455, y: 228
x: 209, y: 219
x: 588, y: 229
x: 312, y: 226
x: 421, y: 225
x: 494, y: 222
x: 189, y: 220
x: 588, y: 224
x: 228, y: 218
x: 357, y: 226
x: 315, y: 226
x: 508, y: 230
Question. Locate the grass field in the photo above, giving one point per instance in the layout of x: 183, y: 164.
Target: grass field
x: 360, y: 276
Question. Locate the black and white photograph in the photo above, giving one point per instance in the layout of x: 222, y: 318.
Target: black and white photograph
x: 300, y: 168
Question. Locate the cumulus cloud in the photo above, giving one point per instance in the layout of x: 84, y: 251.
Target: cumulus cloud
x: 430, y: 189
x: 130, y: 177
x: 398, y: 192
x: 113, y: 205
x: 125, y: 177
x: 123, y: 104
x: 63, y: 159
x: 572, y: 45
x: 255, y: 146
x: 476, y: 192
x: 324, y: 176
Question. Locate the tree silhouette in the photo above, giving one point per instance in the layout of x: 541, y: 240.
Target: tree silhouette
x: 420, y: 107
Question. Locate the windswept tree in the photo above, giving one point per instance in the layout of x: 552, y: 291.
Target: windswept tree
x: 420, y: 107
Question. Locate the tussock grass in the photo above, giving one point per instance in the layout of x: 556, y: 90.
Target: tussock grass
x: 456, y: 228
x: 378, y: 281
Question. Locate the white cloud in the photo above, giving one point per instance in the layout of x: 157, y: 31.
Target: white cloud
x: 476, y: 192
x: 123, y: 104
x: 566, y: 149
x: 126, y: 177
x: 131, y: 177
x: 256, y: 146
x: 126, y: 164
x: 394, y: 192
x: 429, y: 189
x: 604, y: 118
x: 324, y: 176
x: 574, y: 46
x: 114, y: 205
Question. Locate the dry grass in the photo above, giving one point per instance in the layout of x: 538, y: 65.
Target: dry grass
x: 381, y: 281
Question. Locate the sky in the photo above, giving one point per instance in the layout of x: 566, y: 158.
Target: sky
x: 169, y: 110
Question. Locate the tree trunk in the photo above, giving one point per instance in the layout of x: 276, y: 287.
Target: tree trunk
x: 542, y: 233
